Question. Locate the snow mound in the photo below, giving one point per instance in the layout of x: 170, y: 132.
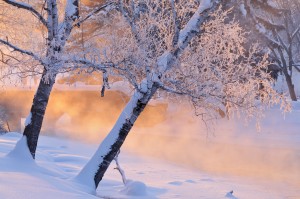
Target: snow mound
x: 21, y: 151
x: 135, y: 188
x: 230, y: 195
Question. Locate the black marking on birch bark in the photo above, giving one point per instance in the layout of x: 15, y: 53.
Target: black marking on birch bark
x: 38, y: 109
x: 76, y: 14
x: 123, y: 132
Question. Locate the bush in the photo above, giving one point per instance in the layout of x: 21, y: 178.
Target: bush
x: 3, y: 121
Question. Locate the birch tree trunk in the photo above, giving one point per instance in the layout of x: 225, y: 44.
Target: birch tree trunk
x: 37, y: 112
x: 291, y: 87
x: 287, y: 75
x: 57, y: 37
x: 94, y: 170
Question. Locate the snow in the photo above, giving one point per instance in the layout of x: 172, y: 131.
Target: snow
x: 243, y: 10
x: 70, y: 8
x: 205, y: 4
x: 272, y: 3
x: 28, y: 119
x: 193, y: 24
x: 87, y: 173
x: 281, y: 84
x: 21, y: 151
x: 261, y: 29
x: 135, y: 188
x: 144, y: 86
x: 59, y: 160
x: 230, y: 195
x: 163, y: 61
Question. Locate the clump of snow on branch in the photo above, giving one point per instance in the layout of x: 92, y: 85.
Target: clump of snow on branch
x: 243, y: 10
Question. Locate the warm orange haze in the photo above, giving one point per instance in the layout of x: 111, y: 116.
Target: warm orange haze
x: 169, y: 132
x: 150, y: 99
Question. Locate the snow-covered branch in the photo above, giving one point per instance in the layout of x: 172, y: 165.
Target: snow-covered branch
x: 29, y: 8
x: 297, y: 68
x: 278, y: 24
x: 193, y: 26
x: 295, y: 32
x: 71, y: 15
x: 118, y: 167
x: 22, y: 51
x: 72, y: 10
x: 176, y: 24
x: 267, y: 6
x: 270, y: 25
x: 187, y: 33
x: 209, y: 66
x: 89, y: 64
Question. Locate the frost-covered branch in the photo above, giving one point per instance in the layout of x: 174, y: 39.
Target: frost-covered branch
x: 295, y: 32
x: 71, y: 15
x: 297, y: 68
x: 193, y: 26
x: 22, y: 51
x: 280, y: 36
x: 129, y: 19
x: 85, y: 63
x: 209, y: 66
x: 267, y: 6
x: 55, y: 56
x: 269, y: 25
x: 176, y: 24
x: 118, y: 167
x: 29, y: 8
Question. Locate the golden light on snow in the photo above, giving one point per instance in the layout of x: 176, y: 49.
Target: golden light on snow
x: 179, y: 137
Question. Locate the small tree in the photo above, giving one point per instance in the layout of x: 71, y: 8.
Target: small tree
x: 278, y: 23
x: 55, y: 56
x: 181, y: 48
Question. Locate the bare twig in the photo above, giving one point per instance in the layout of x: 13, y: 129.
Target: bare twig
x: 121, y: 171
x: 29, y: 8
x: 97, y: 10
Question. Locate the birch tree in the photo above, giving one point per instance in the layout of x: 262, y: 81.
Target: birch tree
x: 54, y: 57
x: 277, y: 22
x: 181, y: 48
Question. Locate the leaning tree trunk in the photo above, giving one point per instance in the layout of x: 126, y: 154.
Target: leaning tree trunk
x: 291, y: 87
x: 37, y: 112
x: 93, y: 172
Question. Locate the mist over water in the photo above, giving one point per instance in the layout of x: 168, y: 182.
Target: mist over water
x: 231, y: 148
x: 171, y: 132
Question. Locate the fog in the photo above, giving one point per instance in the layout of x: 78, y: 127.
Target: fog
x: 230, y: 148
x: 171, y: 132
